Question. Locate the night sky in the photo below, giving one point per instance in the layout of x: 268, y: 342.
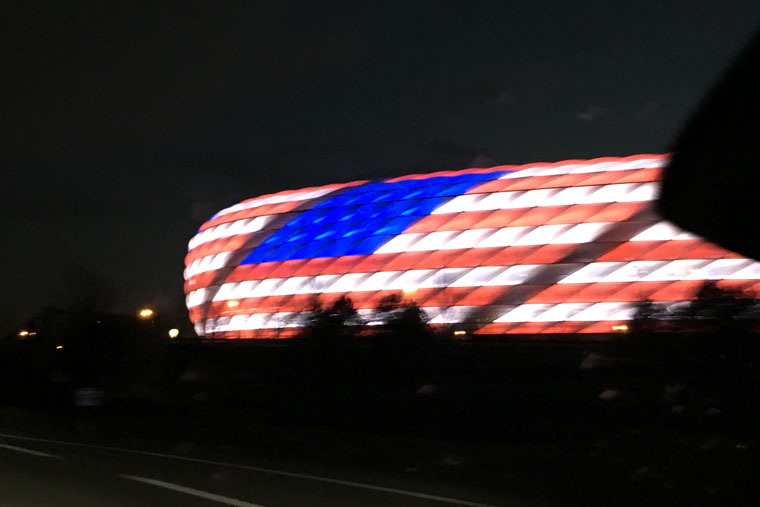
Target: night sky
x: 126, y: 125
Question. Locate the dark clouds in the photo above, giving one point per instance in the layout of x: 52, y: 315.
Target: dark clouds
x: 124, y: 123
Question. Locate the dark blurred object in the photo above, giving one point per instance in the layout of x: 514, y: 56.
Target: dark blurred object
x: 712, y: 184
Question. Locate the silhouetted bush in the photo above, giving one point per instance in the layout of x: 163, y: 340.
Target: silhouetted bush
x: 402, y: 339
x: 330, y: 326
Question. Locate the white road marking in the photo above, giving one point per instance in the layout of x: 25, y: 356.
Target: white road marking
x: 29, y: 451
x: 190, y: 491
x: 270, y: 471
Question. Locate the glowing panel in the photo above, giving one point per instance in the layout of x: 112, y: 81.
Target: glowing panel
x: 565, y: 247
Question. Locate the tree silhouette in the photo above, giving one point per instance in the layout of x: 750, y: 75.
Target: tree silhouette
x: 331, y: 325
x: 403, y: 340
x: 646, y: 317
x: 729, y: 310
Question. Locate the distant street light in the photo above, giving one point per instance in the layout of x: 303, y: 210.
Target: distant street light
x: 59, y: 347
x: 146, y: 313
x: 173, y: 332
x: 23, y: 333
x: 232, y: 303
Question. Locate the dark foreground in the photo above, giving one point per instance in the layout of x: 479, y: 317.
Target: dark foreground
x: 659, y: 421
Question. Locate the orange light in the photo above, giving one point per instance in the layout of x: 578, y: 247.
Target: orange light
x: 409, y: 290
x: 59, y: 347
x: 460, y: 333
x: 232, y: 303
x: 173, y: 332
x: 622, y: 328
x: 23, y: 333
x: 146, y: 313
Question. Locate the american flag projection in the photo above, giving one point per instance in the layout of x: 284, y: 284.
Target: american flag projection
x: 567, y: 247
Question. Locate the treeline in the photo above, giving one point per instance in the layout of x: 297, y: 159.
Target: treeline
x: 714, y: 309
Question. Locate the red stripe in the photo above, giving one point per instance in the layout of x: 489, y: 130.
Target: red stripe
x: 466, y: 257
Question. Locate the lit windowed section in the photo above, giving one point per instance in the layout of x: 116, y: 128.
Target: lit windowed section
x: 515, y: 275
x: 631, y: 271
x: 292, y: 285
x: 348, y: 282
x: 571, y: 195
x: 225, y: 292
x: 196, y: 297
x: 468, y: 239
x: 676, y: 270
x: 410, y: 279
x: 533, y: 198
x: 749, y: 272
x: 266, y: 287
x: 400, y: 243
x: 244, y: 289
x: 611, y: 193
x: 581, y: 233
x: 317, y: 284
x: 644, y: 192
x: 719, y: 269
x: 461, y: 203
x: 379, y: 281
x: 433, y: 241
x: 605, y: 311
x: 504, y: 237
x: 662, y: 231
x: 497, y: 200
x: 452, y: 315
x: 560, y: 312
x: 479, y: 276
x: 592, y: 272
x: 542, y: 235
x: 524, y: 313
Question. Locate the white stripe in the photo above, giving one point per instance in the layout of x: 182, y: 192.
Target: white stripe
x: 191, y: 491
x: 571, y: 312
x: 663, y: 231
x: 723, y: 268
x: 480, y: 276
x: 663, y: 271
x: 197, y: 297
x: 582, y: 233
x: 531, y: 312
x: 207, y: 263
x: 606, y: 311
x: 561, y: 312
x: 270, y: 471
x: 524, y: 313
x: 452, y: 314
x: 516, y: 199
x: 506, y: 236
x: 435, y: 314
x: 577, y: 168
x: 367, y: 282
x: 29, y: 451
x: 246, y: 226
x: 276, y: 199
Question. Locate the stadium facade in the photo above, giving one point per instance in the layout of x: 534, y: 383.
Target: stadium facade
x: 566, y: 247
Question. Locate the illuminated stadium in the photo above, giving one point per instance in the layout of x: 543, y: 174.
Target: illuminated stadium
x: 566, y: 247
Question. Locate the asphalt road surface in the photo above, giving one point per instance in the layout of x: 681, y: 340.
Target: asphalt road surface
x: 44, y: 472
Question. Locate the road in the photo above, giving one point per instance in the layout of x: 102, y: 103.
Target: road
x: 36, y: 471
